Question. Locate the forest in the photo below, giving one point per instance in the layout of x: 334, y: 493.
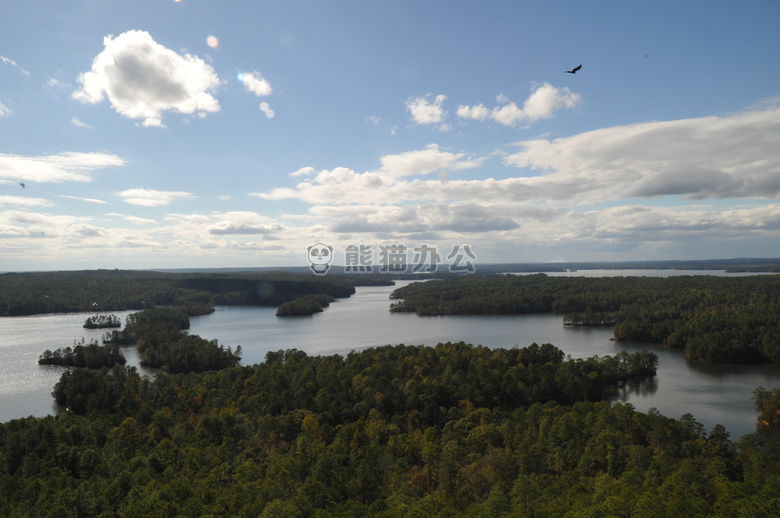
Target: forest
x: 713, y: 318
x: 196, y: 293
x: 450, y: 430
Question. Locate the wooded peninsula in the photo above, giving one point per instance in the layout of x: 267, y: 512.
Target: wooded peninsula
x: 714, y: 318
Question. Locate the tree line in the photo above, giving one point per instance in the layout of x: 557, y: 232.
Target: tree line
x: 713, y: 318
x: 196, y: 293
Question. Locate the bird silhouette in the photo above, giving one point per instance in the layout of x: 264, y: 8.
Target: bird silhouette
x: 574, y: 70
x: 23, y: 186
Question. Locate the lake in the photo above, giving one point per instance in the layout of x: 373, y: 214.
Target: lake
x: 712, y: 393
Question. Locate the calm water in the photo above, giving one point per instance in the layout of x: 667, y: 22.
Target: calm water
x: 713, y: 394
x: 25, y: 386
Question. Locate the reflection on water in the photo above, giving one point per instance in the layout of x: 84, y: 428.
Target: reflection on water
x: 642, y: 388
x: 712, y: 393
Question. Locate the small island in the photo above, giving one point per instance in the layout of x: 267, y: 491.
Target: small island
x: 304, y: 306
x: 88, y: 355
x: 102, y: 322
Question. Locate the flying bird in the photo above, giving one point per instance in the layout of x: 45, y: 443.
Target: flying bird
x: 23, y: 186
x: 574, y: 70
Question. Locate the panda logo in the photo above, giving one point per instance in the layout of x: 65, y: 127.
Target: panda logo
x: 319, y: 256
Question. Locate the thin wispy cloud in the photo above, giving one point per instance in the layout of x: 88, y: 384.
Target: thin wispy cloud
x: 243, y: 223
x: 132, y: 219
x: 11, y: 62
x: 88, y: 200
x: 76, y: 122
x: 23, y: 201
x: 142, y: 79
x: 62, y: 167
x: 152, y: 198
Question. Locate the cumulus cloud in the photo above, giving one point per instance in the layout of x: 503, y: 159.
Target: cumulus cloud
x: 543, y: 102
x: 151, y: 197
x: 428, y: 112
x: 383, y: 185
x: 142, y: 79
x: 555, y: 192
x: 63, y: 167
x: 479, y: 112
x: 713, y: 157
x: 614, y: 189
x: 254, y: 82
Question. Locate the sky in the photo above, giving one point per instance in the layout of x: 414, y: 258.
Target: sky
x: 204, y: 134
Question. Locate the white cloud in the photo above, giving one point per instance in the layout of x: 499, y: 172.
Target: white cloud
x: 425, y: 112
x: 142, y: 79
x: 424, y: 161
x: 712, y: 157
x: 243, y: 223
x: 23, y: 201
x: 255, y: 83
x: 718, y: 157
x: 303, y: 171
x: 151, y: 197
x: 554, y: 199
x: 546, y: 99
x: 478, y: 112
x: 132, y: 219
x: 541, y: 104
x: 64, y: 167
x: 76, y: 122
x: 5, y: 110
x: 379, y: 186
x: 11, y: 62
x: 88, y: 200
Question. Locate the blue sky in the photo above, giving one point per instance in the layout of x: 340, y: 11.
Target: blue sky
x: 193, y: 133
